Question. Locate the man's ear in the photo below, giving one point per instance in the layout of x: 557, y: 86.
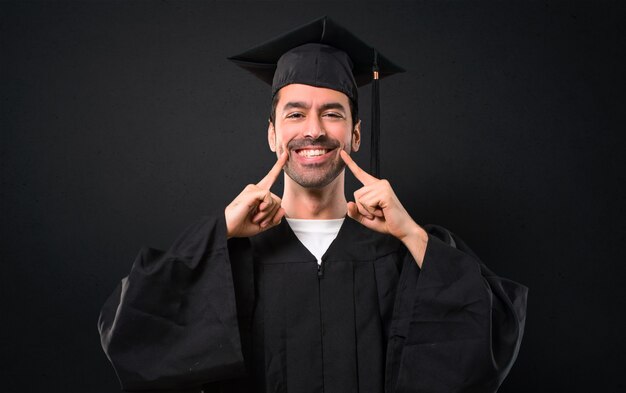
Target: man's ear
x: 356, y: 136
x: 271, y: 135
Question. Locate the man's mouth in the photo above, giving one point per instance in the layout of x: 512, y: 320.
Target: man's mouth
x: 313, y: 151
x: 310, y: 153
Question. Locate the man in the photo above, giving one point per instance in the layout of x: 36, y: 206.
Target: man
x: 247, y: 301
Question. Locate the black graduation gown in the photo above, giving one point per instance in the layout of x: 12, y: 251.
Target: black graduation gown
x: 260, y: 315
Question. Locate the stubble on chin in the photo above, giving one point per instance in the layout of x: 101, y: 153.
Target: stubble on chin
x: 315, y: 177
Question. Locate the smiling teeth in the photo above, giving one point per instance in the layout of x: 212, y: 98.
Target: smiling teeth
x: 312, y: 153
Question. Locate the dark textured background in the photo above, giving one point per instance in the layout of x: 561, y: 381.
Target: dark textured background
x: 123, y: 122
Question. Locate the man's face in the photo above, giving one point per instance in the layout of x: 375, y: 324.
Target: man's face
x: 313, y: 124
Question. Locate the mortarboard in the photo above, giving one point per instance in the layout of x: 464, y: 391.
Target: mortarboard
x: 322, y: 54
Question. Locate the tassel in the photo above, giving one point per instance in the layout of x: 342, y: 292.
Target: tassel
x: 375, y: 127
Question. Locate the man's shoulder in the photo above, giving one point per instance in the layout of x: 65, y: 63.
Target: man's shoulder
x: 373, y: 244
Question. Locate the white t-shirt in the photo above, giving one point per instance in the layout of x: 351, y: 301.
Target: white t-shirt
x: 316, y: 235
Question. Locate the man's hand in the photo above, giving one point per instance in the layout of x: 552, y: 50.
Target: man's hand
x: 256, y: 209
x: 377, y: 207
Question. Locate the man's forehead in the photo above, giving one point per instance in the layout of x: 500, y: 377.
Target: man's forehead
x: 310, y: 96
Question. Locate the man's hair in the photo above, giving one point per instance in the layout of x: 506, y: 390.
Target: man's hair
x: 354, y: 112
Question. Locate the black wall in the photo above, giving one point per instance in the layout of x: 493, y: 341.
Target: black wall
x: 123, y: 122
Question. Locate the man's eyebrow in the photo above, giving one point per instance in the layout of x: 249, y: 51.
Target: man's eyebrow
x: 296, y: 104
x: 323, y: 107
x: 333, y: 105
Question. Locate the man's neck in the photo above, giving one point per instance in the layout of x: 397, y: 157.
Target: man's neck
x: 324, y: 203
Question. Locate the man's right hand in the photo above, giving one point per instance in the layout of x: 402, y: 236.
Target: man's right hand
x: 256, y: 208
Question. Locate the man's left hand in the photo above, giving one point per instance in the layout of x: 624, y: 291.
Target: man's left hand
x: 377, y: 207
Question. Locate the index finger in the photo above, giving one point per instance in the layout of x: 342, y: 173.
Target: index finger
x: 359, y: 173
x: 272, y: 175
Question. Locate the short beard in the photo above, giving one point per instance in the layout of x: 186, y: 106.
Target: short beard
x: 318, y: 179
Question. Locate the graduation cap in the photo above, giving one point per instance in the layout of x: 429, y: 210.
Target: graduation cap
x: 322, y: 54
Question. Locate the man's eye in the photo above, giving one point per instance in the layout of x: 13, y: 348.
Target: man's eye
x: 334, y: 115
x: 295, y: 115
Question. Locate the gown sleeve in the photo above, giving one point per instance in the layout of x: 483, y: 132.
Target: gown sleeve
x: 172, y: 323
x: 457, y: 327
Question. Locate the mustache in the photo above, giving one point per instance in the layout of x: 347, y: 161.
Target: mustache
x: 323, y: 142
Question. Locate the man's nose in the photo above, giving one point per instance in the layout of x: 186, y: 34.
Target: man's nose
x: 314, y: 128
